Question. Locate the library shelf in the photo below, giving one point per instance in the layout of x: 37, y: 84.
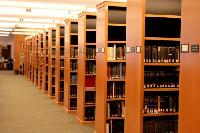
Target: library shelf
x: 86, y: 66
x: 110, y: 74
x: 59, y: 64
x: 45, y: 62
x: 160, y: 114
x: 161, y: 89
x: 70, y: 63
x: 51, y: 62
x: 40, y: 60
x: 162, y: 38
x: 162, y: 16
x: 157, y: 33
x: 115, y: 118
x: 162, y: 64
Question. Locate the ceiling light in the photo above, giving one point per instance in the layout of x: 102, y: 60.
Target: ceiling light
x: 25, y: 25
x: 4, y: 29
x: 91, y: 10
x: 49, y: 13
x: 3, y: 34
x: 21, y: 33
x: 29, y: 30
x: 30, y: 5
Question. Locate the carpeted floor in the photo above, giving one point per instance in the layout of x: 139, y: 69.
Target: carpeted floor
x: 24, y: 109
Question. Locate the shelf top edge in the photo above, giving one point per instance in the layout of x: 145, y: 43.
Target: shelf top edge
x: 70, y: 20
x: 162, y: 16
x: 85, y: 13
x: 111, y: 3
x: 162, y: 39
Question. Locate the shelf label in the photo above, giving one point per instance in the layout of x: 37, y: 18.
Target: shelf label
x: 184, y: 48
x: 97, y: 50
x: 138, y: 49
x: 102, y: 50
x: 128, y: 49
x: 82, y: 50
x: 195, y: 48
x: 132, y: 49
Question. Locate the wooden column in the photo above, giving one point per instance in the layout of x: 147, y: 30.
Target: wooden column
x: 190, y: 72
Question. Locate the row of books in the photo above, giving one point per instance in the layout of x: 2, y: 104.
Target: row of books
x: 53, y: 62
x: 89, y: 113
x: 162, y: 54
x: 73, y: 91
x: 90, y: 67
x: 73, y: 104
x: 116, y: 52
x: 116, y: 71
x: 53, y: 91
x: 115, y: 109
x: 53, y: 72
x: 53, y: 43
x: 53, y: 81
x: 61, y: 97
x: 62, y: 63
x: 74, y: 52
x: 61, y: 85
x: 160, y: 104
x: 73, y: 65
x: 115, y: 126
x: 73, y: 79
x: 90, y: 97
x: 161, y: 79
x: 62, y: 51
x: 53, y: 52
x: 62, y: 31
x: 90, y: 81
x: 116, y: 90
x: 62, y: 74
x: 91, y: 53
x: 62, y: 42
x: 161, y: 126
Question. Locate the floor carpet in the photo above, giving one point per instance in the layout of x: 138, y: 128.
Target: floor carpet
x: 24, y: 109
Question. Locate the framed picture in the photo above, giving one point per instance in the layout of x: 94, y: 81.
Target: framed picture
x: 184, y: 48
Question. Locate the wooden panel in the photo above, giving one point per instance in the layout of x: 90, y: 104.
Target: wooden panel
x: 18, y: 40
x: 190, y: 63
x: 67, y: 65
x: 44, y: 62
x: 81, y: 66
x: 101, y: 71
x: 134, y: 67
x: 57, y: 66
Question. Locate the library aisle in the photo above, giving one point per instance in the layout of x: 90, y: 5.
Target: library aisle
x: 24, y: 109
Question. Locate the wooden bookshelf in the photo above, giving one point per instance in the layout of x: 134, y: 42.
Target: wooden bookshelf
x: 40, y: 60
x: 18, y: 42
x: 36, y: 61
x: 189, y: 76
x: 33, y: 61
x: 60, y: 46
x: 45, y: 62
x: 70, y: 72
x: 33, y: 49
x: 152, y: 78
x: 26, y: 61
x: 110, y: 77
x: 52, y: 61
x: 87, y: 67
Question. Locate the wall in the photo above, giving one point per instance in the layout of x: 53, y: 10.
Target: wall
x: 7, y: 41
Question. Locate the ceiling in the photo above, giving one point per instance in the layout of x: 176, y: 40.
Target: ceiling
x: 25, y: 16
